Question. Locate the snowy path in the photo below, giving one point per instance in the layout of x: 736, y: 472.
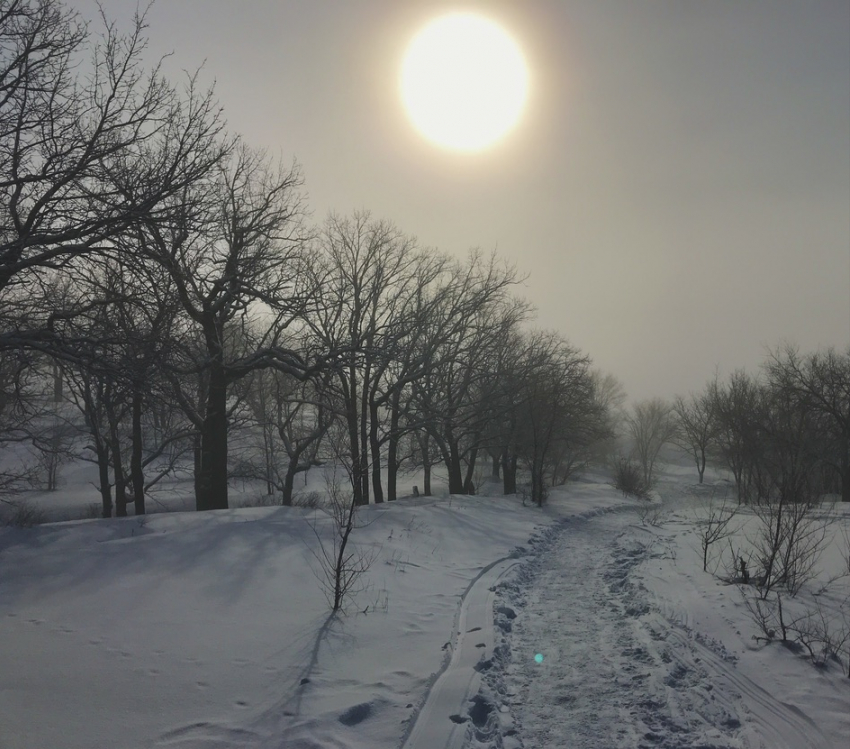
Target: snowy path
x: 615, y: 673
x: 438, y: 723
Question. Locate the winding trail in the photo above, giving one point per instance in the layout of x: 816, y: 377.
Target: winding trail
x: 440, y: 722
x: 615, y: 674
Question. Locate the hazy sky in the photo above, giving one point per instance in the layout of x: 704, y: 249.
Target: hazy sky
x: 678, y: 190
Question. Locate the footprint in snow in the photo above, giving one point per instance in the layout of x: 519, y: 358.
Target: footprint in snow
x: 356, y: 714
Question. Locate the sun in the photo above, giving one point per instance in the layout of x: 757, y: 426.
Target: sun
x: 464, y: 82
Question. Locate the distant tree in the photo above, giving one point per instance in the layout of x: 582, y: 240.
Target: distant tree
x: 452, y: 398
x: 557, y: 405
x: 363, y: 279
x: 590, y: 435
x: 821, y: 381
x: 651, y: 425
x: 20, y: 407
x: 785, y: 482
x: 504, y: 405
x: 737, y: 405
x: 303, y: 418
x: 90, y: 392
x: 697, y: 425
x: 423, y: 455
x: 293, y: 416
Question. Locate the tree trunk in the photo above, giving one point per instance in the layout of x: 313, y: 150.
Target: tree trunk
x: 509, y: 473
x: 537, y: 482
x: 845, y: 484
x: 102, y: 449
x: 212, y: 494
x: 374, y: 444
x: 136, y: 471
x: 292, y: 470
x: 118, y: 471
x: 269, y: 450
x: 424, y: 442
x: 196, y: 452
x: 496, y: 469
x: 453, y: 467
x: 288, y: 484
x: 392, y: 471
x: 117, y: 461
x: 468, y: 486
x: 354, y: 449
x: 392, y: 448
x: 58, y: 376
x: 364, y: 435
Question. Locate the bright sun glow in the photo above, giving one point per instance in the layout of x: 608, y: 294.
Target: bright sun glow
x: 464, y: 82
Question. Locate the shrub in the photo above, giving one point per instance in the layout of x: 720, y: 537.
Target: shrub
x: 629, y: 478
x: 22, y: 514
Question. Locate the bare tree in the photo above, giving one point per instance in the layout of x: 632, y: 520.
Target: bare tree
x: 341, y: 564
x: 736, y: 407
x: 651, y: 425
x: 715, y: 526
x: 697, y: 424
x: 589, y: 434
x: 821, y: 380
x: 293, y: 416
x: 413, y: 346
x: 20, y: 408
x: 559, y: 414
x: 403, y: 322
x: 504, y: 407
x: 82, y: 156
x: 365, y: 282
x: 610, y: 396
x: 786, y: 486
x: 234, y: 251
x: 451, y: 399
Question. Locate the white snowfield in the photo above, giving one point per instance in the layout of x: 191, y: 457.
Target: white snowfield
x: 206, y: 631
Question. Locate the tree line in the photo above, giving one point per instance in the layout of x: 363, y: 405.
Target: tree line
x: 782, y: 433
x: 164, y: 303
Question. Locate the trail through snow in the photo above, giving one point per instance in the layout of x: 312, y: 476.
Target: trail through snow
x: 208, y: 630
x: 438, y: 723
x: 615, y: 674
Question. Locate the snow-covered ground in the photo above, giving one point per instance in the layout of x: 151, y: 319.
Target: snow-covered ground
x: 204, y: 631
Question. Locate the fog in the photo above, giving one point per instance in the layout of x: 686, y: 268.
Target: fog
x: 677, y: 192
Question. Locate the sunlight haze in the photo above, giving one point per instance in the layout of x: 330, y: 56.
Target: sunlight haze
x: 677, y: 190
x: 464, y: 82
x: 406, y: 374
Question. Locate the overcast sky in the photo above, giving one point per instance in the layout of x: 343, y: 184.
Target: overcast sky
x: 678, y: 190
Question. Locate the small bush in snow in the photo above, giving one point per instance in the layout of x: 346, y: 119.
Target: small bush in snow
x: 22, y: 514
x: 310, y: 500
x: 651, y: 513
x: 715, y: 527
x: 91, y: 512
x: 341, y: 564
x: 629, y: 478
x: 823, y: 635
x: 260, y: 500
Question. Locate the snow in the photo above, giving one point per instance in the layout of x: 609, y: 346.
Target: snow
x: 203, y: 631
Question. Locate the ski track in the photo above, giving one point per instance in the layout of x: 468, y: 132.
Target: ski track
x: 615, y: 673
x: 439, y: 722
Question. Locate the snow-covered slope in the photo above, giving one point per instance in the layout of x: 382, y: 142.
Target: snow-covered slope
x: 204, y: 631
